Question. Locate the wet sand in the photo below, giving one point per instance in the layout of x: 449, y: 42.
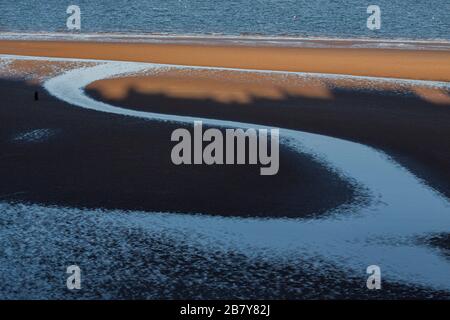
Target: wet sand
x: 410, y: 64
x: 380, y: 115
x: 57, y: 154
x: 93, y: 159
x: 408, y: 123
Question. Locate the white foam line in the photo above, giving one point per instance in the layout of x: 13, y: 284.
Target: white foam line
x: 381, y: 233
x: 194, y: 36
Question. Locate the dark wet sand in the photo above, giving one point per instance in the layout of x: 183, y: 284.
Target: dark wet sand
x: 409, y: 128
x: 99, y: 160
x: 96, y: 159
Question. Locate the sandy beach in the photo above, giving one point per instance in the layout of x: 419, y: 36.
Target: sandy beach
x: 57, y: 154
x: 409, y: 64
x: 377, y: 114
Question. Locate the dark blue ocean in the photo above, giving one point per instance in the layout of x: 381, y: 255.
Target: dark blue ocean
x: 404, y: 19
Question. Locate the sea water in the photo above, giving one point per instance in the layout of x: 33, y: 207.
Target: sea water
x: 400, y: 19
